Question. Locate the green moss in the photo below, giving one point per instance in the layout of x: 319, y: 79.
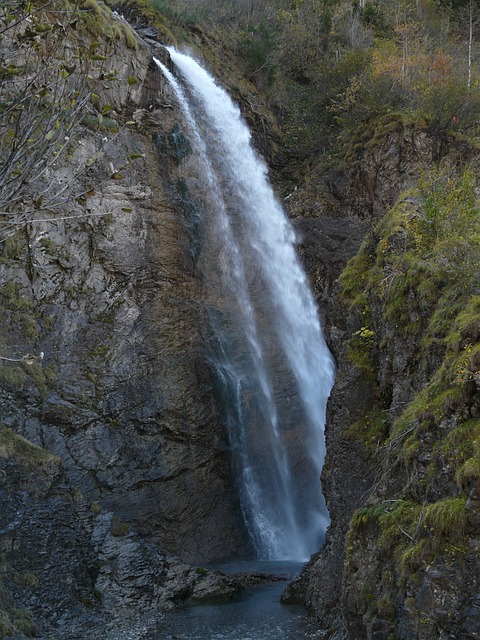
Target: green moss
x: 399, y: 523
x: 154, y: 12
x: 415, y: 282
x: 17, y: 622
x: 447, y: 518
x: 130, y: 36
x: 366, y: 517
x: 469, y: 472
x: 13, y: 248
x: 410, y: 533
x: 13, y: 446
x: 360, y: 351
x: 50, y: 373
x: 371, y: 430
x: 100, y: 351
x: 92, y: 377
x: 18, y: 309
x: 6, y: 625
x: 385, y: 608
x: 95, y: 508
x: 36, y: 373
x: 354, y: 279
x: 49, y: 246
x: 23, y: 621
x: 118, y: 528
x: 412, y: 269
x: 414, y: 556
x: 12, y: 376
x: 12, y: 299
x: 24, y: 579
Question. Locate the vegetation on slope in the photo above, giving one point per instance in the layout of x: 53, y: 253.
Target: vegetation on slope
x: 54, y: 78
x: 329, y: 68
x: 416, y: 286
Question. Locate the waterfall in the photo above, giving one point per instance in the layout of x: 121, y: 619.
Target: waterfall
x: 268, y: 349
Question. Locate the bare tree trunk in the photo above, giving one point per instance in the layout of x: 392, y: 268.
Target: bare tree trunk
x: 470, y: 42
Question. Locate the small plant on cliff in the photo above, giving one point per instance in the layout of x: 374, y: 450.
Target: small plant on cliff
x: 447, y: 518
x: 360, y: 349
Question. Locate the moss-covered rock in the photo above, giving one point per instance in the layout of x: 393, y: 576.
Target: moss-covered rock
x: 415, y: 284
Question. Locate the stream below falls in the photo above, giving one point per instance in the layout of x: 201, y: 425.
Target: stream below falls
x: 256, y: 615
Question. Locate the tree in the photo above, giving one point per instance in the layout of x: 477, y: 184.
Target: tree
x: 471, y: 17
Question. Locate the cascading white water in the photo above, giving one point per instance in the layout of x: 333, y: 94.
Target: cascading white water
x: 271, y: 357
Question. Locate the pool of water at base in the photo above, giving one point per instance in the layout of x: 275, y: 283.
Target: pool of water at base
x: 256, y: 615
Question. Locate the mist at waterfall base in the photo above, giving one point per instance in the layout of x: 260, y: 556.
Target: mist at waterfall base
x: 272, y: 365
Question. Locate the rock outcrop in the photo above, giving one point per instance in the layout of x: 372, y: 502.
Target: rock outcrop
x: 104, y: 367
x: 70, y: 563
x: 386, y: 571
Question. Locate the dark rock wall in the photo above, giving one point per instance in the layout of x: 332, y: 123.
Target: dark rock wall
x: 107, y: 298
x: 125, y: 397
x: 365, y: 597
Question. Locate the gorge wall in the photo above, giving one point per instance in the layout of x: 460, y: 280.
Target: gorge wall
x: 104, y: 367
x: 401, y: 556
x: 112, y: 455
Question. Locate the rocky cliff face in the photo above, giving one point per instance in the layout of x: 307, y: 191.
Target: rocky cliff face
x: 392, y: 567
x: 110, y: 446
x: 104, y: 365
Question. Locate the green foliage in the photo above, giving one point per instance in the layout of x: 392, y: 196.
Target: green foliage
x: 399, y: 523
x: 411, y: 533
x: 49, y: 246
x: 355, y: 277
x: 447, y: 518
x: 24, y: 579
x: 186, y: 14
x: 24, y: 623
x: 424, y: 273
x: 95, y: 508
x: 427, y: 251
x: 158, y: 13
x: 462, y: 448
x: 16, y: 309
x: 448, y: 105
x: 371, y: 430
x: 17, y: 621
x: 6, y: 626
x: 360, y: 348
x: 449, y: 211
x: 359, y: 63
x: 257, y: 45
x: 416, y: 278
x: 385, y: 608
